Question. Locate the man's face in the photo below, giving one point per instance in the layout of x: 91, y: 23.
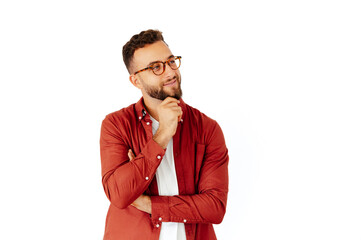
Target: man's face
x: 164, y: 85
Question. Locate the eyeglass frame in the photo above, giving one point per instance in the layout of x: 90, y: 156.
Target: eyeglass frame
x: 164, y: 63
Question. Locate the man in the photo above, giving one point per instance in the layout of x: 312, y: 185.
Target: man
x: 164, y: 163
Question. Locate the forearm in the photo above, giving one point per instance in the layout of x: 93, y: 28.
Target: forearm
x: 123, y: 184
x: 208, y: 204
x: 198, y: 208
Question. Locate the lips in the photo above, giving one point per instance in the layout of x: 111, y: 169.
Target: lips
x: 171, y: 83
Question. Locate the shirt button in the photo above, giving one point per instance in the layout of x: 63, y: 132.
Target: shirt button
x: 184, y: 220
x: 160, y: 219
x: 159, y: 157
x: 140, y: 117
x: 147, y: 178
x: 157, y: 225
x: 148, y: 123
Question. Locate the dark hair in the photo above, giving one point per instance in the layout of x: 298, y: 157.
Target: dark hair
x: 138, y: 41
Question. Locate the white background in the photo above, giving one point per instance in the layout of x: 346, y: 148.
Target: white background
x: 282, y: 78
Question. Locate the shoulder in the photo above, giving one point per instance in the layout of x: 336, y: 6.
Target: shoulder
x: 121, y: 117
x: 124, y: 113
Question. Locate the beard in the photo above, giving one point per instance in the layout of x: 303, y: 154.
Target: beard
x: 159, y: 93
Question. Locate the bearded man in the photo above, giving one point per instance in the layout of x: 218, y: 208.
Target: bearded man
x: 164, y: 163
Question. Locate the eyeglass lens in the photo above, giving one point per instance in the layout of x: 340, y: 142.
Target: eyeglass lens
x: 158, y: 68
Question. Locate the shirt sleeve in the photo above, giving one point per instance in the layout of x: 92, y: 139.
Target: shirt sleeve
x: 209, y: 204
x: 123, y: 180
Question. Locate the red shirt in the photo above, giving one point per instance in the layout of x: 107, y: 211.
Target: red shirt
x: 201, y: 162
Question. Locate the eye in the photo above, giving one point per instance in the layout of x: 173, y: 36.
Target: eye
x: 156, y: 66
x: 172, y: 60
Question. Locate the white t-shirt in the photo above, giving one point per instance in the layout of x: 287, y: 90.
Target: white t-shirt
x: 168, y: 186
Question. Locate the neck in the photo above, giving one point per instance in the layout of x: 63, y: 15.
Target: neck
x: 151, y: 105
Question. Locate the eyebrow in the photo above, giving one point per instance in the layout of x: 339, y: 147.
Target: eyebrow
x: 159, y: 61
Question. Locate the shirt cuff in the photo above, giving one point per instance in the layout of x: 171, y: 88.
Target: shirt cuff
x: 160, y: 209
x: 153, y: 151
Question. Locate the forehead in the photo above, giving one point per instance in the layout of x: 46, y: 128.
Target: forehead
x: 158, y: 51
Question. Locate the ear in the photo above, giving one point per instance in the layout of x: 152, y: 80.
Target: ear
x: 134, y: 79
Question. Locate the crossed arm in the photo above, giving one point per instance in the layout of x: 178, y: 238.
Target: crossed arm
x: 126, y: 176
x: 125, y: 181
x: 143, y: 202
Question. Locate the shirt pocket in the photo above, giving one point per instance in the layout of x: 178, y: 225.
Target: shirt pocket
x: 200, y: 150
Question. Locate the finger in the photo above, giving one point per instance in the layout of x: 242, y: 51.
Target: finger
x: 171, y: 104
x: 178, y: 110
x: 170, y: 100
x: 130, y: 155
x: 176, y: 113
x: 175, y: 108
x: 180, y: 116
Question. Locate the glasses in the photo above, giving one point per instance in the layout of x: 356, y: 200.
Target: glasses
x: 158, y: 68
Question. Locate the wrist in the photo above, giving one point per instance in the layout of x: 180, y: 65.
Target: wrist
x: 162, y: 138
